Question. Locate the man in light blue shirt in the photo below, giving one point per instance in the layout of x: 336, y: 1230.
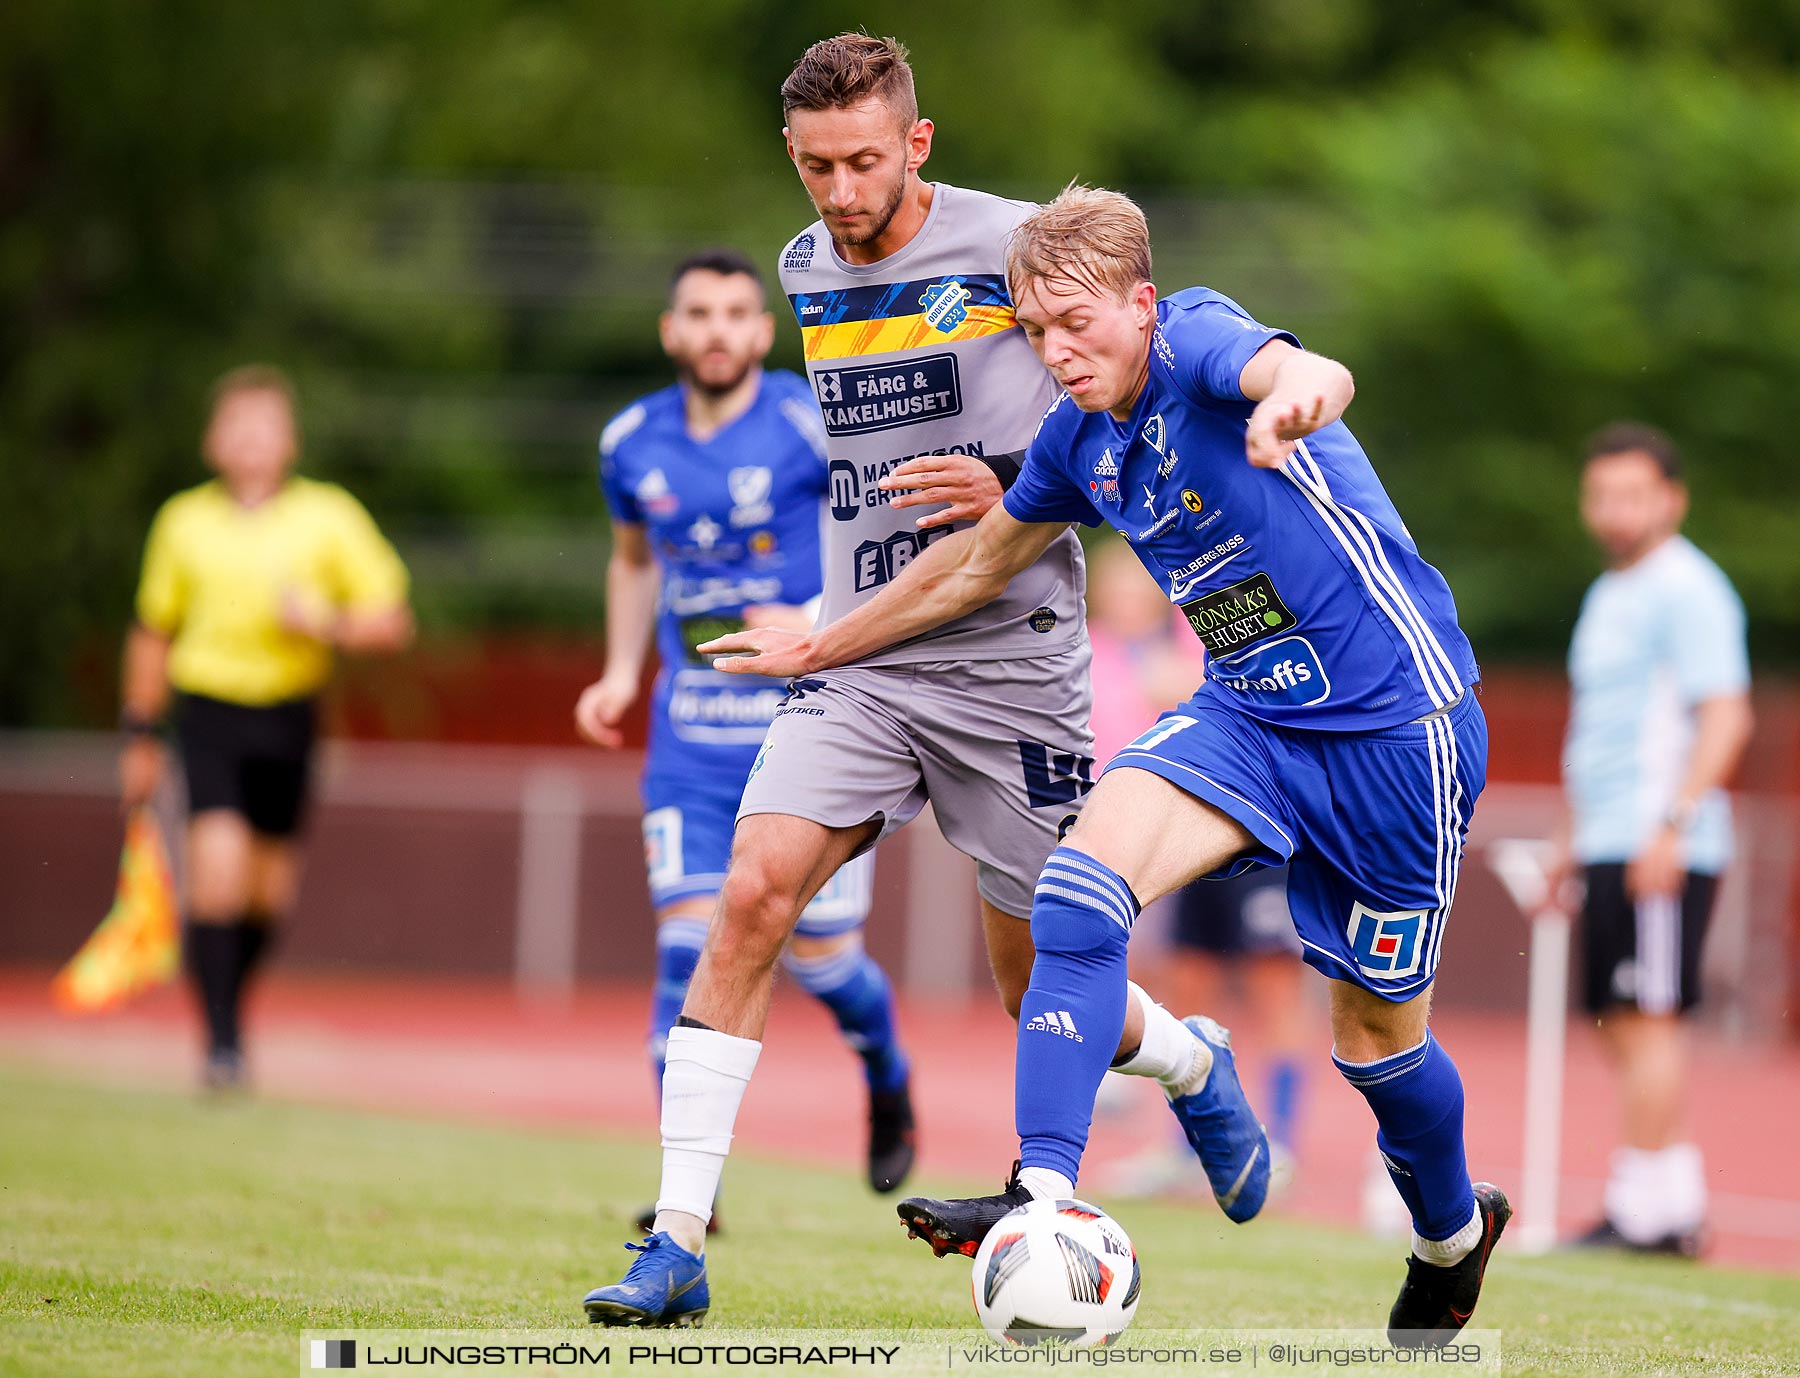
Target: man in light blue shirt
x: 1659, y: 717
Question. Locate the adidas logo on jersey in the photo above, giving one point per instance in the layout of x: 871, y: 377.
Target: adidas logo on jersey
x: 1055, y: 1022
x: 1106, y: 466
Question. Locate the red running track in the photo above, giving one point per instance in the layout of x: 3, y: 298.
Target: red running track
x: 477, y: 1050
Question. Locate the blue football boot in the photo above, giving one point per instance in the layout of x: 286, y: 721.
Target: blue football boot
x: 664, y: 1287
x: 1223, y: 1130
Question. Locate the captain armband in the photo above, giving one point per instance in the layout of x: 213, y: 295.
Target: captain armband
x: 1006, y: 467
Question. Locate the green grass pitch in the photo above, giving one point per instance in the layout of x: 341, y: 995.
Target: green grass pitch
x: 144, y: 1233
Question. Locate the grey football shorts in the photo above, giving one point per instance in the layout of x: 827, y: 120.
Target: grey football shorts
x: 1000, y: 748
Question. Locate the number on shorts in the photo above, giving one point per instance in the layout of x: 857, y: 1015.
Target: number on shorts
x: 1164, y: 729
x: 662, y: 847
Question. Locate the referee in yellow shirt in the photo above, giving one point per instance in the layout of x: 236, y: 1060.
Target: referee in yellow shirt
x: 251, y: 582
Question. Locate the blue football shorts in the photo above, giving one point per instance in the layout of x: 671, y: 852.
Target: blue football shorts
x: 1371, y: 824
x: 690, y: 813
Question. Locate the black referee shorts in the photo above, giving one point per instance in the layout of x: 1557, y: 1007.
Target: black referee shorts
x: 1644, y: 954
x: 1245, y: 916
x: 254, y: 760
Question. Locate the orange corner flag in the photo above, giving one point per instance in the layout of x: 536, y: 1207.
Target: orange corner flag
x: 138, y: 943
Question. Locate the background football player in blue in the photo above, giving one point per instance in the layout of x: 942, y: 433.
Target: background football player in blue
x: 1337, y: 729
x: 714, y: 485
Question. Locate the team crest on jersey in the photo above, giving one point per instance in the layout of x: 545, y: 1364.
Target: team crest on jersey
x: 1156, y: 436
x: 1386, y: 945
x: 799, y: 255
x: 946, y: 305
x: 749, y: 488
x: 653, y: 494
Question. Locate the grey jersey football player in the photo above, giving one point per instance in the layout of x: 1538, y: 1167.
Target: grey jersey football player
x: 913, y: 354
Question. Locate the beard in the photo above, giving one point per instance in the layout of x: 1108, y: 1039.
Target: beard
x: 880, y: 218
x: 719, y: 383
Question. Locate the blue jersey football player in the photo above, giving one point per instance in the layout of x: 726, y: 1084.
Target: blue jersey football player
x: 1337, y: 730
x: 715, y: 486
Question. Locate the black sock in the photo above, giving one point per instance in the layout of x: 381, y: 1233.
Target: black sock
x: 213, y: 951
x: 259, y: 937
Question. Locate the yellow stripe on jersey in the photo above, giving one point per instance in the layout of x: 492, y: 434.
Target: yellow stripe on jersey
x: 897, y: 333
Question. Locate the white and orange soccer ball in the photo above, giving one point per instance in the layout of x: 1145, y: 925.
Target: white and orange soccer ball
x: 1056, y: 1272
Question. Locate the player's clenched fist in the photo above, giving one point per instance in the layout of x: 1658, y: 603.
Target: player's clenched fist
x: 140, y: 770
x: 602, y: 704
x: 1276, y: 424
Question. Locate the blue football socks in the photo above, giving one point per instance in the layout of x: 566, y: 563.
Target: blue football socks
x: 678, y: 944
x: 1281, y: 1100
x: 1417, y: 1097
x: 852, y: 985
x: 1074, y: 1010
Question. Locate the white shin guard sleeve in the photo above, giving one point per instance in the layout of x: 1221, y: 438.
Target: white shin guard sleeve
x: 703, y: 1084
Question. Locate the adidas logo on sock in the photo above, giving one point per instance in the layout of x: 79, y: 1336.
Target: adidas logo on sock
x: 1055, y: 1022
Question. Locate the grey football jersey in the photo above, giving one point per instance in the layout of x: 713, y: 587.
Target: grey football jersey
x: 919, y: 354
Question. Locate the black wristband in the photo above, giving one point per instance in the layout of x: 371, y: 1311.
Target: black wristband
x: 1006, y: 467
x: 135, y: 725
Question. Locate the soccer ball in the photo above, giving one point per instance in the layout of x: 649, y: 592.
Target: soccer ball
x: 1058, y: 1273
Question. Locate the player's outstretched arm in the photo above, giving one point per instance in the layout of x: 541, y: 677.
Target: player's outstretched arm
x: 953, y: 576
x: 1296, y: 393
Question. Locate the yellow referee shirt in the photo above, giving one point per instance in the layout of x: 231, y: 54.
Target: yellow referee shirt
x: 215, y: 574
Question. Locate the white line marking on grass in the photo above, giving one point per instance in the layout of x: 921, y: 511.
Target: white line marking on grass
x: 1667, y: 1296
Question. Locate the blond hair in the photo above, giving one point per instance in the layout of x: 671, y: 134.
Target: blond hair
x: 1096, y: 238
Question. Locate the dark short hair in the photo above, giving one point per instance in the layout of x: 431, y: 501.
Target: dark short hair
x: 725, y: 262
x: 836, y: 73
x: 1626, y: 437
x: 252, y: 378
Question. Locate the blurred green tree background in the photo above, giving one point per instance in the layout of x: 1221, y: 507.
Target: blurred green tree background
x: 1514, y: 219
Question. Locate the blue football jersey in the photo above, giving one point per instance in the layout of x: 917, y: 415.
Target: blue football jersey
x: 1313, y: 603
x: 734, y: 521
